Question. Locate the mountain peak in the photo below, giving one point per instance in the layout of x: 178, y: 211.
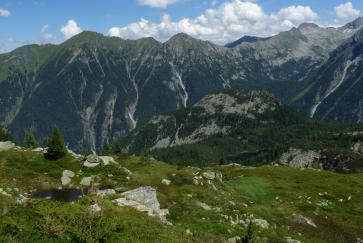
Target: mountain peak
x: 181, y: 37
x: 355, y: 24
x: 85, y: 37
x: 246, y: 39
x: 308, y: 25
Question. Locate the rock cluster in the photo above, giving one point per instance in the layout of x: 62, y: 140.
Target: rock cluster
x: 144, y: 200
x: 299, y: 158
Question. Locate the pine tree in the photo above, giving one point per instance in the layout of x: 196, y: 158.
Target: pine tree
x: 56, y: 147
x: 30, y: 140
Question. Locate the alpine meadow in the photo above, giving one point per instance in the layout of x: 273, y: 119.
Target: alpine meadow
x: 181, y: 121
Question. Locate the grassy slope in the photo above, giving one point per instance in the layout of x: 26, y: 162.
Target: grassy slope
x: 271, y: 193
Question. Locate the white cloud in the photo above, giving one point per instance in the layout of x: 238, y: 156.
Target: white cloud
x: 297, y: 14
x: 44, y: 28
x: 227, y: 22
x: 157, y: 3
x: 45, y: 36
x: 70, y: 29
x: 345, y: 12
x: 4, y: 13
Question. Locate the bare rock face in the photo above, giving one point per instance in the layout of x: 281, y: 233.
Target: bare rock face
x: 298, y: 158
x: 144, y: 200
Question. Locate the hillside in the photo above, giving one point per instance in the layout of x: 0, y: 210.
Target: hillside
x: 96, y: 88
x: 335, y: 93
x: 216, y: 204
x: 248, y: 127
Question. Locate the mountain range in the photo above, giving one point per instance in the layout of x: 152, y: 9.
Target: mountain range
x: 97, y: 88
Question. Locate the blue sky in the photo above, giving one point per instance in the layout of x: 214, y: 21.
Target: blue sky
x: 220, y: 21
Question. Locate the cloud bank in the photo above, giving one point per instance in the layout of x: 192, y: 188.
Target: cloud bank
x: 229, y: 21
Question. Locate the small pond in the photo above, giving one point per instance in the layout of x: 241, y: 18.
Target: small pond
x: 66, y: 194
x: 63, y: 195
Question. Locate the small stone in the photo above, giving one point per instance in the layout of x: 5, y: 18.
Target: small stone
x: 188, y: 232
x: 95, y: 208
x: 204, y: 206
x: 38, y: 150
x: 68, y: 173
x: 22, y: 199
x: 261, y: 223
x: 86, y: 181
x: 290, y: 240
x: 195, y: 181
x: 106, y: 192
x: 234, y: 239
x: 165, y: 182
x: 65, y: 180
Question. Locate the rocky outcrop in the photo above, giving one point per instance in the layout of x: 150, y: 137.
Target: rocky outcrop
x: 299, y: 158
x: 4, y: 146
x: 143, y: 199
x: 358, y: 147
x: 95, y: 160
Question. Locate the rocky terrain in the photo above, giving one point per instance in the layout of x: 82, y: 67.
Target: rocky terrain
x: 141, y: 199
x: 245, y: 127
x: 334, y: 93
x: 96, y: 88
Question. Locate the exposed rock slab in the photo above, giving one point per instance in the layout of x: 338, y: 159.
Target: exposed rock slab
x: 4, y: 146
x: 144, y: 200
x: 299, y: 158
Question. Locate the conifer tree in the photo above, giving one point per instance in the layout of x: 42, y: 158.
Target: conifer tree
x: 56, y: 147
x: 30, y: 140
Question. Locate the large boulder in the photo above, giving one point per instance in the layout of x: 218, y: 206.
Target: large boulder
x: 66, y: 177
x: 4, y: 146
x: 92, y: 161
x: 210, y: 175
x: 106, y: 160
x: 143, y: 199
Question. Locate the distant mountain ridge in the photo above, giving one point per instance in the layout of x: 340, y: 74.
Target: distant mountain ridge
x: 335, y: 89
x: 96, y: 88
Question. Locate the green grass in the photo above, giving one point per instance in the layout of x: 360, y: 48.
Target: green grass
x: 253, y: 188
x: 275, y: 194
